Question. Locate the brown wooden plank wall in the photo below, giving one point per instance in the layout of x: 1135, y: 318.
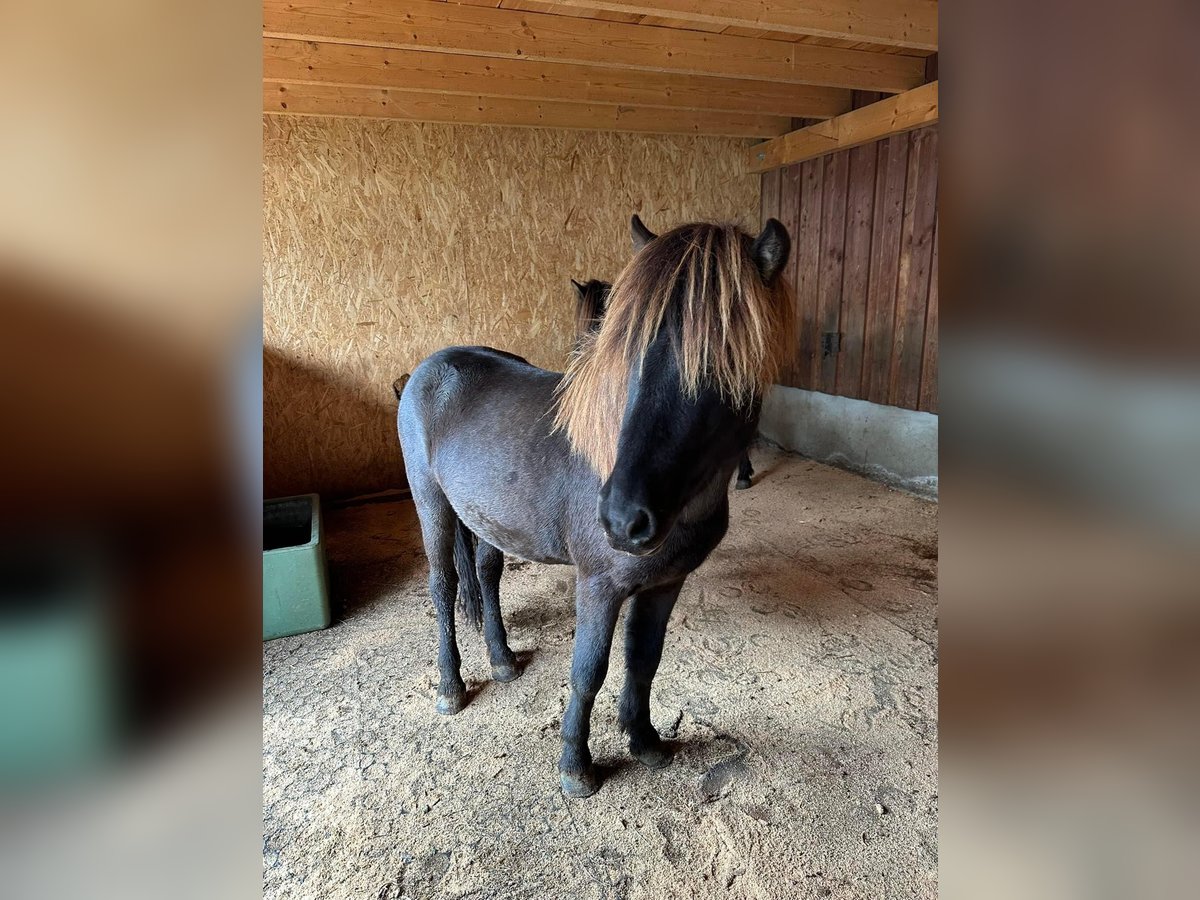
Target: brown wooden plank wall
x: 863, y: 224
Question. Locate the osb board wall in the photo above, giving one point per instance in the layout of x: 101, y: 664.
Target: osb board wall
x: 865, y: 268
x: 385, y: 241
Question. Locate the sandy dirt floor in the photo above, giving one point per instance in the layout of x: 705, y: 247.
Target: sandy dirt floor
x: 799, y: 683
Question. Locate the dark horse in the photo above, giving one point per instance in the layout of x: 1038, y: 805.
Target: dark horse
x: 619, y: 467
x: 591, y: 300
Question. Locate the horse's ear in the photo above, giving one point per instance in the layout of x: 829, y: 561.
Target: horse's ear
x: 640, y: 233
x: 580, y: 289
x: 770, y: 250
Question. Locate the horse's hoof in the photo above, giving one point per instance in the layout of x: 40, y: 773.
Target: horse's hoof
x: 658, y: 757
x: 449, y: 704
x: 579, y: 786
x: 742, y: 484
x: 505, y: 672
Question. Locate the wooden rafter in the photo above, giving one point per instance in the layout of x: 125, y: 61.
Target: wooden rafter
x: 898, y: 23
x: 325, y: 100
x: 345, y: 65
x: 893, y: 115
x: 486, y: 31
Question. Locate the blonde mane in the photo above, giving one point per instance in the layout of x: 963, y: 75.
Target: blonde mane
x: 730, y: 332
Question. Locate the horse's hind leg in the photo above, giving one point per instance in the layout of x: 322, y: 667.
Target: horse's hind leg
x: 745, y: 472
x: 438, y: 522
x: 489, y: 564
x: 645, y: 628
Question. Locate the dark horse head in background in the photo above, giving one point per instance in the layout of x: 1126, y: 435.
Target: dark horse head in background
x: 591, y: 302
x: 619, y: 467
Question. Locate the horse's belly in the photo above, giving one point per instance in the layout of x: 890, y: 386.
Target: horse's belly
x: 534, y: 547
x: 537, y: 544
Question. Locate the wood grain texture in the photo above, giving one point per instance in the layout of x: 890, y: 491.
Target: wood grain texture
x: 833, y: 244
x: 769, y: 196
x: 345, y: 65
x: 864, y: 231
x: 891, y: 172
x: 929, y: 356
x: 901, y: 23
x: 591, y: 12
x: 487, y: 31
x: 892, y: 115
x: 856, y: 269
x: 384, y: 241
x: 807, y: 248
x: 788, y: 211
x: 558, y: 9
x: 912, y: 283
x: 347, y: 102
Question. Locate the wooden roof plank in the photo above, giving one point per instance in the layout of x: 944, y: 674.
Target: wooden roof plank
x: 899, y: 23
x: 892, y: 115
x: 346, y: 65
x: 486, y: 31
x: 325, y: 100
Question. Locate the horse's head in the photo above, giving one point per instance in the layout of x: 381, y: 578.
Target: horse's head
x: 666, y: 397
x: 591, y: 300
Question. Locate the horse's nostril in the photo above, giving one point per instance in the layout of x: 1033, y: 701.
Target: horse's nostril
x: 641, y: 527
x: 627, y: 523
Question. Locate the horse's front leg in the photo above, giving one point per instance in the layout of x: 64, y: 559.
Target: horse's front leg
x: 597, y: 606
x: 645, y: 628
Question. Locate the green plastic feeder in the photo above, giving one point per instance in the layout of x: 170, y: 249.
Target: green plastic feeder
x: 58, y: 692
x: 295, y: 588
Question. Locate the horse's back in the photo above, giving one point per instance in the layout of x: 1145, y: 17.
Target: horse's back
x: 455, y: 378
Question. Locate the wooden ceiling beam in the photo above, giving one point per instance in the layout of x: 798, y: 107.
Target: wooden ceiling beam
x: 346, y: 65
x: 897, y: 23
x: 514, y: 34
x: 325, y: 100
x: 892, y: 115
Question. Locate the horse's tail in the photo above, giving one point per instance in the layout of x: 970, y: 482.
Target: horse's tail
x: 399, y: 383
x: 470, y: 596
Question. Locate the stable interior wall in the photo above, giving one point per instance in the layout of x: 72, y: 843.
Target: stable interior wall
x: 861, y: 389
x: 864, y: 268
x: 385, y: 241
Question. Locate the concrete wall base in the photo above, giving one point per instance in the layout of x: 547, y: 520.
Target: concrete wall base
x: 898, y: 447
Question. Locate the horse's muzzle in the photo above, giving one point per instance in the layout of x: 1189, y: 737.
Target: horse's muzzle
x: 629, y: 526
